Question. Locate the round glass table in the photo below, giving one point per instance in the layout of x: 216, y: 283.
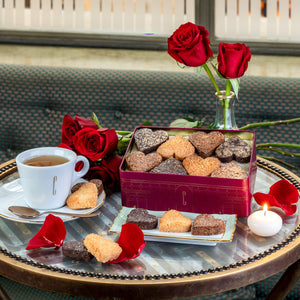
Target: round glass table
x: 163, y: 270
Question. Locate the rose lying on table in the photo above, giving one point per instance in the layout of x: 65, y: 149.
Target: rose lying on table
x: 53, y: 232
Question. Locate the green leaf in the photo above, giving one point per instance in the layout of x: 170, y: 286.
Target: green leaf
x: 235, y: 83
x: 146, y: 124
x: 96, y: 120
x: 185, y: 123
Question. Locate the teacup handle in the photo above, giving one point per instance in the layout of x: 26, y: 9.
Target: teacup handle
x: 83, y: 171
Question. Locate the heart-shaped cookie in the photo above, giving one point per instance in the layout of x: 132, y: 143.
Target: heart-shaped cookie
x: 170, y: 166
x: 139, y: 162
x: 174, y: 221
x: 147, y: 140
x: 177, y: 146
x: 230, y: 170
x: 142, y: 218
x: 234, y: 148
x: 207, y: 225
x: 206, y: 143
x: 198, y: 166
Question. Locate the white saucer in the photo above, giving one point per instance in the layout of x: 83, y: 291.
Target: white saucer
x: 12, y: 194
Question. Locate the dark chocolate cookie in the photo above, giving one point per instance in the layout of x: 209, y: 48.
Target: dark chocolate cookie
x: 142, y: 218
x: 147, y: 140
x: 170, y: 166
x: 234, y: 149
x: 77, y: 250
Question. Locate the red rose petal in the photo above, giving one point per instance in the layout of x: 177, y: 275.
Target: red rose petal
x: 282, y: 194
x: 131, y: 241
x: 51, y: 234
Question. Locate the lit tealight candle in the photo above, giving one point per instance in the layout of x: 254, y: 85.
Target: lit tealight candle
x: 265, y: 222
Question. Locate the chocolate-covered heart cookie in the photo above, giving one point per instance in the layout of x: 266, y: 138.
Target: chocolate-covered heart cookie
x: 142, y: 218
x: 170, y: 166
x: 147, y: 140
x: 140, y: 162
x: 206, y: 143
x: 234, y: 149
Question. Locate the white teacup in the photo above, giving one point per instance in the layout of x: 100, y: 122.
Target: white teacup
x: 47, y: 187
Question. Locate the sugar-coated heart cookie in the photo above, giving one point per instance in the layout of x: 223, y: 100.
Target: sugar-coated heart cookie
x: 177, y: 146
x: 197, y: 166
x: 85, y: 197
x: 170, y: 166
x: 234, y: 148
x: 139, y: 162
x: 206, y: 143
x: 142, y: 218
x: 147, y: 140
x: 230, y: 170
x: 104, y: 250
x: 174, y: 221
x: 207, y: 225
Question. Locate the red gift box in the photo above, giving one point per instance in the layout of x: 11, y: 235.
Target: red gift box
x: 198, y: 194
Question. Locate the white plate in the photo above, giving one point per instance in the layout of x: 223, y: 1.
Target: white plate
x: 12, y: 194
x: 180, y: 237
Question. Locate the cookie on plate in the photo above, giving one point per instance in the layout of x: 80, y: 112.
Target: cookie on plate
x: 205, y: 224
x: 142, y: 218
x: 97, y: 182
x: 177, y: 146
x: 174, y: 221
x: 85, y: 197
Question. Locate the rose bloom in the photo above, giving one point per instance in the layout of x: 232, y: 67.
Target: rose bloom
x: 233, y: 59
x: 71, y: 126
x: 95, y: 144
x: 108, y: 171
x: 189, y: 45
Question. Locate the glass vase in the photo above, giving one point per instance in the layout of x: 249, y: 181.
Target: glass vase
x: 225, y: 117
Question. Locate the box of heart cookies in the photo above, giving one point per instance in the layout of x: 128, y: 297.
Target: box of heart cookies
x: 193, y: 170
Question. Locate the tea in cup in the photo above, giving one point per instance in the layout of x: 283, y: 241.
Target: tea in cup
x: 47, y: 175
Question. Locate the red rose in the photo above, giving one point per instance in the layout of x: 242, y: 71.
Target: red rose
x: 233, y: 59
x: 71, y: 126
x: 189, y: 45
x: 95, y: 144
x: 108, y: 171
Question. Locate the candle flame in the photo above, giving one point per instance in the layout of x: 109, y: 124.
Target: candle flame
x: 265, y: 209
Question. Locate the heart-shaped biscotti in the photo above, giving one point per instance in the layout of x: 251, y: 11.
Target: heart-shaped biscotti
x: 177, y: 146
x: 139, y: 162
x: 148, y: 141
x: 197, y: 166
x: 206, y: 143
x: 142, y: 218
x: 207, y: 225
x: 104, y: 250
x: 174, y: 221
x: 170, y: 166
x: 234, y: 148
x: 85, y: 197
x: 230, y: 170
